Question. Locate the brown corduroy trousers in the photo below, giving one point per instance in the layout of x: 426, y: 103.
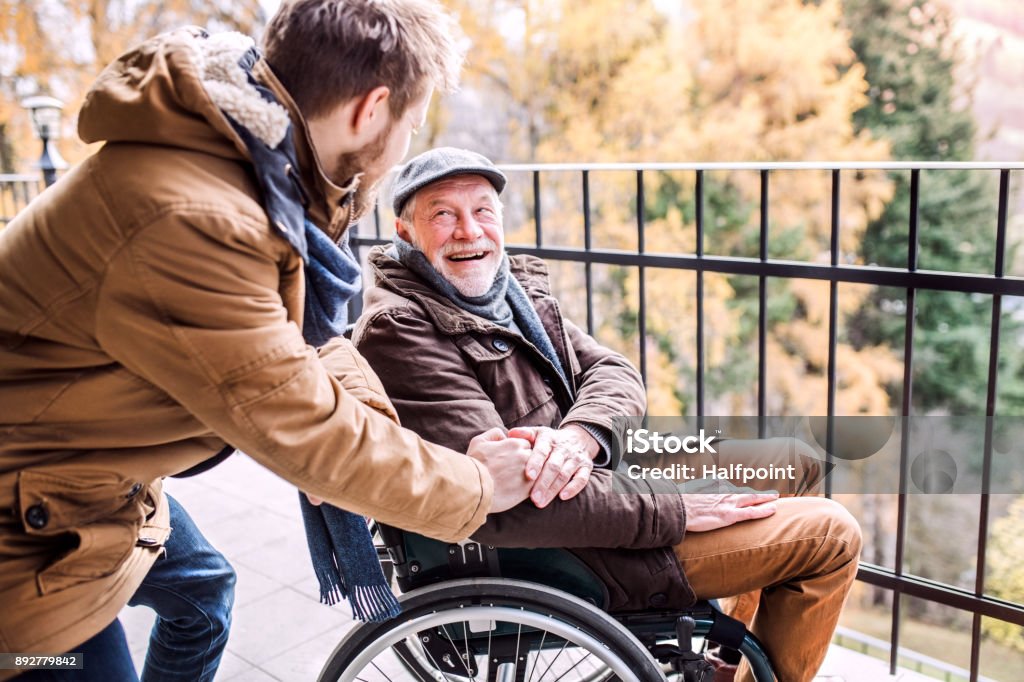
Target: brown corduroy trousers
x: 792, y: 570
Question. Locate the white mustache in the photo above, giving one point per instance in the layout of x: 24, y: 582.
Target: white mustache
x: 481, y: 244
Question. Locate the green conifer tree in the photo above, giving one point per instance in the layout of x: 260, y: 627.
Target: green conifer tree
x: 912, y: 57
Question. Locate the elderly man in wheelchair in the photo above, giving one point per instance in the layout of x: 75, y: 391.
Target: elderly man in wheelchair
x: 465, y: 339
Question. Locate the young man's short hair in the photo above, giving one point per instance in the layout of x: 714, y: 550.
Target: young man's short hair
x: 325, y: 52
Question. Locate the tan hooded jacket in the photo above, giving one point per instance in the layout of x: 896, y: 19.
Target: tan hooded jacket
x: 148, y: 316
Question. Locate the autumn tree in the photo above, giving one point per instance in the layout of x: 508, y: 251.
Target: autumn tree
x: 746, y: 80
x: 60, y: 47
x: 1005, y: 578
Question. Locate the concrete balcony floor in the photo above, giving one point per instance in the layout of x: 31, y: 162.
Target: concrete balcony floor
x: 280, y: 631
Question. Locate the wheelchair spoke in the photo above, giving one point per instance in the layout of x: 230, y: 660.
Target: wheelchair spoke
x: 564, y: 644
x: 388, y: 677
x: 573, y: 667
x: 489, y: 633
x: 519, y: 634
x: 465, y: 639
x: 536, y: 658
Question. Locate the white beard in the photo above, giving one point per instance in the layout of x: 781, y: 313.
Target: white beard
x: 471, y: 286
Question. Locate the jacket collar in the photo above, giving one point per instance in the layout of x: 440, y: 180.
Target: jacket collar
x: 330, y: 206
x: 448, y: 318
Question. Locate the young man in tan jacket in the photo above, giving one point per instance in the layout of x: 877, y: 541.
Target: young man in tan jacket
x: 157, y: 307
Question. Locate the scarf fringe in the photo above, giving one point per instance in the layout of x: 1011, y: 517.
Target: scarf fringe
x: 332, y: 590
x: 370, y: 603
x: 374, y: 603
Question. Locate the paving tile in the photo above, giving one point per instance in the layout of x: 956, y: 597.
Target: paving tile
x: 207, y: 506
x: 137, y: 622
x: 309, y: 586
x: 252, y: 584
x: 248, y: 530
x: 233, y: 666
x: 304, y: 662
x: 285, y: 558
x: 252, y: 675
x: 846, y: 665
x: 278, y: 622
x: 261, y: 486
x: 243, y: 477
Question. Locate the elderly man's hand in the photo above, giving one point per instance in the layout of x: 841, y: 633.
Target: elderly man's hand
x: 505, y: 458
x: 561, y: 462
x: 729, y: 505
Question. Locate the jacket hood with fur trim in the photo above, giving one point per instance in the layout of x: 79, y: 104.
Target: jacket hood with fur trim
x: 173, y: 89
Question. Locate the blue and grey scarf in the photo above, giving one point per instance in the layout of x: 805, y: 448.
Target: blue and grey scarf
x: 344, y: 558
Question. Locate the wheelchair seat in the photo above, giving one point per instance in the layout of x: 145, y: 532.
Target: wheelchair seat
x: 420, y: 561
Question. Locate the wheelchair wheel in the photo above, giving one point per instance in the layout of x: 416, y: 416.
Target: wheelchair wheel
x: 494, y: 630
x: 416, y: 661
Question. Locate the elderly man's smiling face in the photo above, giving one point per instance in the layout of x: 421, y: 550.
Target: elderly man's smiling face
x: 457, y: 226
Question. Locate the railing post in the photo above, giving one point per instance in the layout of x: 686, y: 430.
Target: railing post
x: 908, y: 378
x: 762, y: 315
x: 990, y: 412
x: 642, y: 289
x: 698, y: 200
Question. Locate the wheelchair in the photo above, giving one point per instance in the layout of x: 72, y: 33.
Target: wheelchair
x: 472, y: 612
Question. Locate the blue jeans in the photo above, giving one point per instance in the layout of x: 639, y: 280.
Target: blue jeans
x: 191, y: 588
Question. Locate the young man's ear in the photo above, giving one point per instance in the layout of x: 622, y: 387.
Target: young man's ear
x: 371, y: 113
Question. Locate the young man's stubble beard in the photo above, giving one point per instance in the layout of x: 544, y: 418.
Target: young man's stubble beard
x: 354, y: 163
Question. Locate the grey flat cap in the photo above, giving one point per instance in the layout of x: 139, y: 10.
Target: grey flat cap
x: 441, y: 163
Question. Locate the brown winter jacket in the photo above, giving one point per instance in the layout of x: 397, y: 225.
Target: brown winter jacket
x: 148, y: 316
x: 451, y: 375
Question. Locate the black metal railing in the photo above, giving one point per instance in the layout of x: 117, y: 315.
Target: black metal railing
x: 16, y: 191
x: 910, y: 278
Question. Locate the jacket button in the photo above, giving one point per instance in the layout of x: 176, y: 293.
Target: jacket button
x: 659, y: 599
x: 135, y: 490
x: 146, y: 542
x: 500, y: 345
x: 37, y: 516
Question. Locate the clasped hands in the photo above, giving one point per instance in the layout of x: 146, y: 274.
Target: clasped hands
x: 559, y: 462
x: 536, y: 462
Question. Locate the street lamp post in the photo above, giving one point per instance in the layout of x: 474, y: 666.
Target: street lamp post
x: 45, y: 112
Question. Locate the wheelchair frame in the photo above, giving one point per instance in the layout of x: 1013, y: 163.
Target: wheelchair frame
x: 467, y: 582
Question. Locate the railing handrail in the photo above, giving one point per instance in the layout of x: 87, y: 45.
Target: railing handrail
x: 20, y: 177
x: 767, y: 165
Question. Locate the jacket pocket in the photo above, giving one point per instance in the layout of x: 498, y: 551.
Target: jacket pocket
x: 55, y: 500
x: 93, y: 517
x: 102, y: 549
x: 508, y: 375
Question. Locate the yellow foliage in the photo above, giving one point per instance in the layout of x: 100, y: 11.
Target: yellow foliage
x: 1005, y: 574
x: 59, y: 48
x: 750, y: 80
